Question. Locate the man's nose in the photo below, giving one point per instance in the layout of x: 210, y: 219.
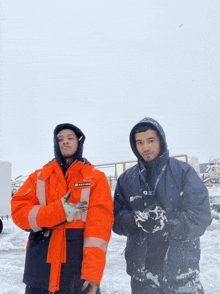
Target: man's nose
x: 146, y: 146
x: 65, y: 141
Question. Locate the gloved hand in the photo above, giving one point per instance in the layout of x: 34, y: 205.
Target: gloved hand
x: 90, y: 287
x: 72, y: 208
x: 79, y: 286
x: 152, y: 219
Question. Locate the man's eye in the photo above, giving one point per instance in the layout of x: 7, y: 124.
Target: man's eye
x: 60, y: 139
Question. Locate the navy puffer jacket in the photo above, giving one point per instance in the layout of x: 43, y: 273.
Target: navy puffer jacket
x: 186, y: 202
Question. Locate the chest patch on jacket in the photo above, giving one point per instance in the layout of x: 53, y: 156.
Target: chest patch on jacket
x: 132, y: 198
x: 82, y: 185
x: 148, y: 193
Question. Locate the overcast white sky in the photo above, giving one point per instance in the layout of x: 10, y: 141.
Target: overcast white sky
x: 103, y: 66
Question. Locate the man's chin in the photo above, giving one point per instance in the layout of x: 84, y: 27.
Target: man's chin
x: 148, y: 160
x: 68, y: 156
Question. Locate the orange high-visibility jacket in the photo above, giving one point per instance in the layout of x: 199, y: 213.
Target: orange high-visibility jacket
x: 37, y: 205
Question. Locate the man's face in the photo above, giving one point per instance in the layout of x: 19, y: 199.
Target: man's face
x: 148, y: 145
x: 68, y: 142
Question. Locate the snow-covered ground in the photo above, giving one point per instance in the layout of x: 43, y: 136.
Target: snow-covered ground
x: 115, y: 280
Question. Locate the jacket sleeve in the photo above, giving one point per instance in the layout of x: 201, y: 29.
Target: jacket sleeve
x: 124, y: 217
x: 98, y: 228
x: 28, y: 214
x: 193, y: 214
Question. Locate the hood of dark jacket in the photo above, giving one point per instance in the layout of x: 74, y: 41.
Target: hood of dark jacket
x: 153, y: 123
x: 81, y: 138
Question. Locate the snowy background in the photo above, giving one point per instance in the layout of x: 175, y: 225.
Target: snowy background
x: 104, y: 66
x: 115, y: 280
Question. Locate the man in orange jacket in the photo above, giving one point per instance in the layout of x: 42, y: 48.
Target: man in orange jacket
x: 67, y: 207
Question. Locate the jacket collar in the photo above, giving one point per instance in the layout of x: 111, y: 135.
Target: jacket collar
x: 156, y: 169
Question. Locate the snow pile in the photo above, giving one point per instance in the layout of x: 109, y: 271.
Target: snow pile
x: 210, y: 258
x: 214, y: 191
x: 115, y: 280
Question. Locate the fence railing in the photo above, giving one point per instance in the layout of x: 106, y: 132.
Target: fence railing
x: 112, y: 171
x: 113, y: 179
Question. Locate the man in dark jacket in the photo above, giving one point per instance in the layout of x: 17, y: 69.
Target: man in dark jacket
x: 162, y: 206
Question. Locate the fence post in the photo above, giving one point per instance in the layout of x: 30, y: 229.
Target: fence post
x: 116, y: 176
x: 110, y: 182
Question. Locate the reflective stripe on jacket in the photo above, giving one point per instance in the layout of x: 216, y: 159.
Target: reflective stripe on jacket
x: 37, y: 205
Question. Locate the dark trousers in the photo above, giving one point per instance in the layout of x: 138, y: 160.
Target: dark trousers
x: 155, y: 274
x: 148, y: 287
x: 183, y: 286
x: 75, y: 288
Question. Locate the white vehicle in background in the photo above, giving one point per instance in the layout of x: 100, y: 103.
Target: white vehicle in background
x: 211, y: 178
x: 5, y: 191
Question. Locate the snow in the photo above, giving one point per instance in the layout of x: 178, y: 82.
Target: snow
x: 115, y: 280
x: 214, y: 191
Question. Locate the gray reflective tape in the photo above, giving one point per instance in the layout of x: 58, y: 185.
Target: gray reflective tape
x: 96, y: 242
x: 33, y: 216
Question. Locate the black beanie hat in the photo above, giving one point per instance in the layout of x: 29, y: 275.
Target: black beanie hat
x: 79, y: 134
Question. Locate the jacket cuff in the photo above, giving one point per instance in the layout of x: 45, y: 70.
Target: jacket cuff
x: 176, y: 229
x: 131, y: 223
x: 51, y: 215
